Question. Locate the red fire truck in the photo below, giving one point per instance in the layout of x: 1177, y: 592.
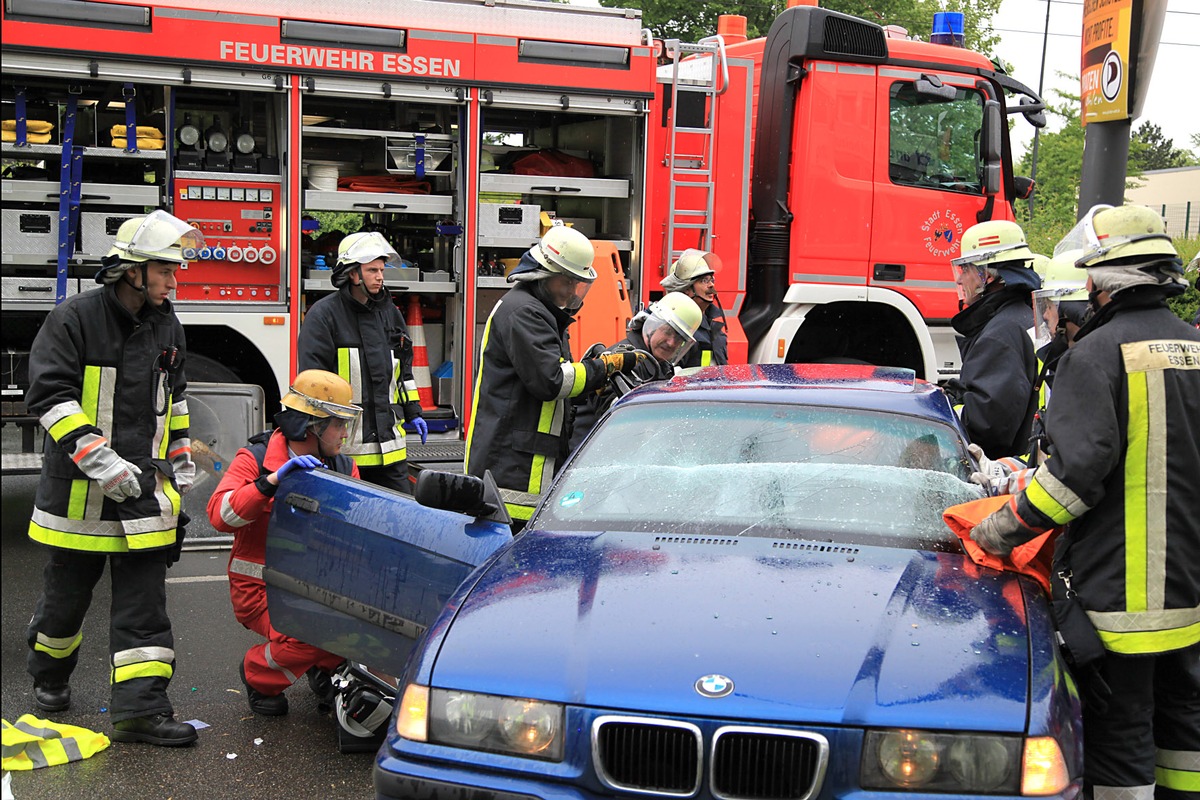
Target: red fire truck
x: 456, y: 128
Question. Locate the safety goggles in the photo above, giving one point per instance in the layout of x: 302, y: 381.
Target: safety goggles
x: 665, y: 339
x: 1046, y: 317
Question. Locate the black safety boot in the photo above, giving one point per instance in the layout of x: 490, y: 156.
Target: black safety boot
x: 266, y: 704
x: 50, y: 696
x: 159, y: 729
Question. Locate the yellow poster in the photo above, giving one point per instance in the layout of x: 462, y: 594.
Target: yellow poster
x: 1104, y: 68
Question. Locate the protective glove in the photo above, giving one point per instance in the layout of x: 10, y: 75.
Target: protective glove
x: 116, y: 476
x: 297, y: 462
x: 625, y: 361
x: 185, y: 472
x: 992, y: 475
x: 422, y: 428
x: 1002, y: 530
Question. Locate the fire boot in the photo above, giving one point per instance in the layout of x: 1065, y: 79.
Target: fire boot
x: 265, y: 704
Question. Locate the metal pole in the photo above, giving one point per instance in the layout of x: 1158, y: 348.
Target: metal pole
x: 1105, y: 158
x: 1038, y: 131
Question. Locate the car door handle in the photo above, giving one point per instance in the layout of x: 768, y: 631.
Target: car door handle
x: 302, y: 502
x: 889, y: 272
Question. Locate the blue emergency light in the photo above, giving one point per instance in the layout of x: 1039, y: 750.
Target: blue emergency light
x: 948, y: 28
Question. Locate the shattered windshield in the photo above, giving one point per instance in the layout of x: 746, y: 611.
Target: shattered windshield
x: 757, y: 469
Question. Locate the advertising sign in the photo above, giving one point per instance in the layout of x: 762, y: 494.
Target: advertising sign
x: 1105, y: 70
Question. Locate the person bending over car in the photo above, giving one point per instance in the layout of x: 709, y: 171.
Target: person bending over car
x: 316, y: 419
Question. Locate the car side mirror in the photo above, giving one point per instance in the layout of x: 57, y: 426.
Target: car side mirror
x: 1034, y: 111
x: 465, y: 494
x: 992, y: 127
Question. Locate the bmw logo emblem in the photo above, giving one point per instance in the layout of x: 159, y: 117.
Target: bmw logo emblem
x: 714, y: 686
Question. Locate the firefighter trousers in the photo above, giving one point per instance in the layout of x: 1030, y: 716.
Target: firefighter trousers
x: 140, y: 642
x: 278, y: 662
x: 1142, y: 741
x: 389, y: 476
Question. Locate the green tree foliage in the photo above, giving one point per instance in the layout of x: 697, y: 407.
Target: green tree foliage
x: 692, y: 20
x: 1150, y: 149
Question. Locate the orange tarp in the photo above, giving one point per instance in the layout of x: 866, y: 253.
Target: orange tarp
x: 1032, y: 558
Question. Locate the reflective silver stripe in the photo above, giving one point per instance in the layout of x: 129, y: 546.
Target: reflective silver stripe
x: 394, y: 381
x: 373, y: 448
x: 140, y: 655
x: 1123, y: 792
x: 568, y: 380
x: 1060, y: 492
x: 271, y: 663
x: 1155, y: 490
x: 520, y: 498
x: 808, y: 277
x: 251, y: 569
x: 179, y: 409
x: 229, y: 516
x: 58, y: 642
x: 104, y: 398
x: 410, y: 389
x: 1139, y: 621
x: 60, y: 411
x: 33, y: 730
x: 1188, y: 760
x: 165, y: 522
x: 71, y: 748
x: 86, y: 527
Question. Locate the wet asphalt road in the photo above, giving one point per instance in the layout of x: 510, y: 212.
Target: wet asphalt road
x: 297, y: 757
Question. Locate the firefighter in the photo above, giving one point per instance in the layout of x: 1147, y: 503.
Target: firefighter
x: 666, y: 330
x: 317, y: 417
x: 1125, y: 453
x: 106, y: 379
x: 695, y: 274
x: 994, y: 392
x: 521, y: 418
x: 359, y: 334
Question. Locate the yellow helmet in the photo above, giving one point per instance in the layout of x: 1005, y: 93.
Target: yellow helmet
x: 681, y: 316
x: 158, y: 236
x: 1107, y: 234
x: 693, y: 264
x: 321, y: 394
x: 991, y: 243
x: 566, y: 251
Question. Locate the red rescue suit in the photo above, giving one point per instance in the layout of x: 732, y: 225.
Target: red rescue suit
x: 242, y: 505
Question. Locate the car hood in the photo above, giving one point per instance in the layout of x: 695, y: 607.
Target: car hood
x: 809, y: 632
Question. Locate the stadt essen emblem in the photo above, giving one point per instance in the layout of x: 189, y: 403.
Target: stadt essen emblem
x: 714, y: 686
x: 942, y: 231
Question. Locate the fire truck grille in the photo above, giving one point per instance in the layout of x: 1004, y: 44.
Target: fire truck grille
x: 651, y: 756
x: 766, y: 765
x: 854, y: 38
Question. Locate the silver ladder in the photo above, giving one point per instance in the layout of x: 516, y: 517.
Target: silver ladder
x: 689, y: 221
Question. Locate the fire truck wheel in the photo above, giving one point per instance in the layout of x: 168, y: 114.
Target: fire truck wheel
x: 202, y: 369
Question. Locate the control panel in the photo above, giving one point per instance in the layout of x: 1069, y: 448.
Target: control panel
x: 240, y: 221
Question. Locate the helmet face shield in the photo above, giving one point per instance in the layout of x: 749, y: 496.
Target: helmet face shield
x: 159, y: 237
x: 970, y: 280
x: 1046, y: 319
x: 666, y: 341
x: 333, y: 432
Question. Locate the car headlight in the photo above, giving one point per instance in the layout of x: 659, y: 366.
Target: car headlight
x: 948, y: 762
x: 513, y: 725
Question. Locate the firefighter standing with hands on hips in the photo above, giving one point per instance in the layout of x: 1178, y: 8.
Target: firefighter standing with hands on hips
x: 994, y: 392
x: 521, y: 419
x: 359, y: 334
x: 106, y: 375
x: 316, y: 419
x: 1124, y: 430
x: 694, y: 274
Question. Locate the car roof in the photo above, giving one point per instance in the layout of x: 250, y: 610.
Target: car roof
x: 859, y: 386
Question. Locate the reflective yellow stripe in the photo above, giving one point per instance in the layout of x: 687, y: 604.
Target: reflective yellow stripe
x: 380, y: 459
x: 1135, y: 494
x: 150, y: 539
x: 173, y: 496
x: 518, y: 511
x: 59, y: 652
x: 91, y: 391
x: 77, y: 505
x: 487, y: 329
x: 77, y: 541
x: 1177, y: 779
x: 706, y: 358
x: 580, y: 379
x: 180, y: 422
x: 1046, y: 504
x: 538, y: 467
x: 1150, y: 642
x: 68, y: 424
x: 147, y: 669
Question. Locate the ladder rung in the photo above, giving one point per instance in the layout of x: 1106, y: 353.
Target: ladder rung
x: 694, y: 130
x: 690, y: 171
x: 698, y: 212
x: 692, y: 226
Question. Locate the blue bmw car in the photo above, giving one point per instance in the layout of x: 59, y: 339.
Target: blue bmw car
x: 740, y: 587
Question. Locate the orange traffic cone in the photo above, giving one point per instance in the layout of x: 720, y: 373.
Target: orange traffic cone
x: 420, y: 367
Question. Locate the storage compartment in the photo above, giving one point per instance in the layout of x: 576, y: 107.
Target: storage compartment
x: 509, y: 221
